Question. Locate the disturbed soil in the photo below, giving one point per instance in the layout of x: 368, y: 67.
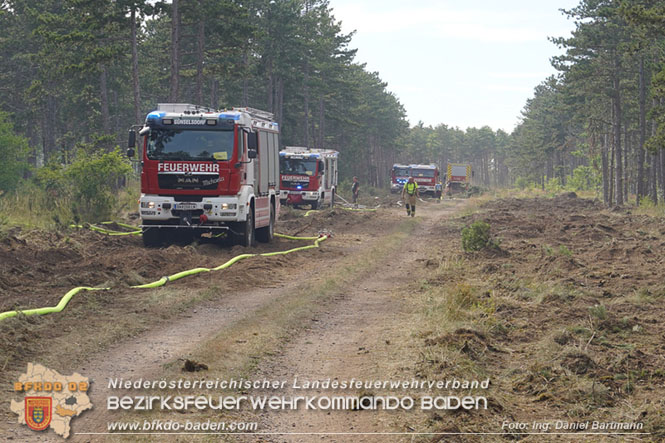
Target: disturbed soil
x: 38, y: 268
x: 562, y: 312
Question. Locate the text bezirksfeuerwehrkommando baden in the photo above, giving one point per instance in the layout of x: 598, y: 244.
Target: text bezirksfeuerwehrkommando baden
x: 400, y: 397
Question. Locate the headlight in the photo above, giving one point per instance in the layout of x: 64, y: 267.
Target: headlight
x: 229, y: 205
x: 149, y: 205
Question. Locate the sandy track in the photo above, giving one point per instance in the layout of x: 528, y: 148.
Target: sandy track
x: 362, y: 338
x: 352, y: 337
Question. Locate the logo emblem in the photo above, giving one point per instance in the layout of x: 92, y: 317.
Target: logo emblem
x: 38, y: 412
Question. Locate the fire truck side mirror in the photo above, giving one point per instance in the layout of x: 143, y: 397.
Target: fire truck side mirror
x: 132, y: 139
x: 131, y: 143
x: 252, y: 142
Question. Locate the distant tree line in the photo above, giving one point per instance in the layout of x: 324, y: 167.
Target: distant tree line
x: 84, y: 71
x: 602, y: 119
x: 78, y: 73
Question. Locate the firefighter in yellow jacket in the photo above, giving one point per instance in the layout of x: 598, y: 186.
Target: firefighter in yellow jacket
x: 409, y: 194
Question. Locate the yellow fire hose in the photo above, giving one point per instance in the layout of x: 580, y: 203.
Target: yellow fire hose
x: 162, y: 281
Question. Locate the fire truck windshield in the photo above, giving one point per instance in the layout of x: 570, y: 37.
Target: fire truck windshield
x: 189, y: 144
x: 297, y: 166
x: 422, y: 173
x: 401, y: 172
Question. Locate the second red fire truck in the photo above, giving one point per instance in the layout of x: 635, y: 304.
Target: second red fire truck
x: 308, y: 176
x: 427, y: 177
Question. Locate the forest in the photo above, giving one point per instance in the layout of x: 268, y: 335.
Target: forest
x: 76, y: 74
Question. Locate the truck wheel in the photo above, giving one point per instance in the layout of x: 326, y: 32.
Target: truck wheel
x: 315, y: 204
x: 152, y: 237
x: 332, y: 199
x: 266, y: 234
x: 247, y: 235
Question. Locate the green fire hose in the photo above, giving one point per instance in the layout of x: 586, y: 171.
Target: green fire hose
x: 162, y: 281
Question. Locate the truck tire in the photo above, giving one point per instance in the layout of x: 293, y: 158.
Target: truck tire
x: 315, y: 204
x: 267, y: 233
x: 152, y: 237
x: 332, y: 199
x: 247, y: 235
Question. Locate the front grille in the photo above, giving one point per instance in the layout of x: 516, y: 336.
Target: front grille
x: 193, y: 213
x: 193, y: 181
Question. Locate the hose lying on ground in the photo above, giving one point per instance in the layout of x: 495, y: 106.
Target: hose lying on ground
x: 162, y: 281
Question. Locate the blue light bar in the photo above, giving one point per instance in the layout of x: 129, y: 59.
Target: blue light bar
x: 154, y: 116
x: 230, y: 116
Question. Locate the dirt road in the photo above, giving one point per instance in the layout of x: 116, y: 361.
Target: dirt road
x: 325, y: 313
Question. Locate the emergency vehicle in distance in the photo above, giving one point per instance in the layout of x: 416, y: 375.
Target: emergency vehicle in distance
x: 308, y: 176
x: 208, y: 171
x: 398, y: 176
x: 458, y: 177
x: 427, y: 177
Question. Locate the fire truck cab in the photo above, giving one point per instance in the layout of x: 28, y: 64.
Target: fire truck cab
x: 398, y: 176
x: 208, y: 171
x: 427, y: 177
x: 308, y: 176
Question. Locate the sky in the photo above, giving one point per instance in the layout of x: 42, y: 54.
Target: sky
x: 462, y: 63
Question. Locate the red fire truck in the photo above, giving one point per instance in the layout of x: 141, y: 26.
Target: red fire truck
x: 398, y: 176
x: 208, y: 171
x: 427, y: 177
x: 308, y: 176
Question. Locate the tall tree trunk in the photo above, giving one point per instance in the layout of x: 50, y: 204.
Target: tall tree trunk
x: 653, y: 162
x: 214, y: 85
x: 200, y: 45
x: 661, y: 173
x: 270, y: 87
x: 135, y: 70
x: 306, y: 104
x: 616, y: 98
x: 612, y: 170
x: 643, y: 134
x: 245, y: 78
x: 280, y: 101
x: 104, y: 99
x: 321, y: 123
x: 174, y: 85
x: 48, y: 129
x: 661, y: 164
x: 653, y: 173
x: 626, y: 169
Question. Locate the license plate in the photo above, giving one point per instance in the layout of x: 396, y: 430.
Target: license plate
x: 185, y: 206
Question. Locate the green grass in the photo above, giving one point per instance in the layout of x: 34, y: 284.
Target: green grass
x: 32, y: 207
